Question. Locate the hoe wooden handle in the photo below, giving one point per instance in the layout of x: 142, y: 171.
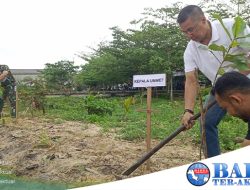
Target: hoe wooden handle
x: 162, y: 143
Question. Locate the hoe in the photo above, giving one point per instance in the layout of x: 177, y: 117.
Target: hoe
x: 162, y: 143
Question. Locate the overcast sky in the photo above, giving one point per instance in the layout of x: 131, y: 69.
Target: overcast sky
x: 35, y: 32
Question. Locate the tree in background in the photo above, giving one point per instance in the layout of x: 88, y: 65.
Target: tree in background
x: 59, y: 76
x: 100, y: 71
x: 156, y: 47
x: 228, y: 9
x: 153, y: 45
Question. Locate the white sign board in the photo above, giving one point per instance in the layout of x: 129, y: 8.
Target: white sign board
x: 152, y: 80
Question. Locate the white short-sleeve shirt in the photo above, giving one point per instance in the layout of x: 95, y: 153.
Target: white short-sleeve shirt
x: 197, y: 55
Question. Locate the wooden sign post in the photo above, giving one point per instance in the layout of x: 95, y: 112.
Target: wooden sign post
x: 148, y: 138
x: 149, y: 81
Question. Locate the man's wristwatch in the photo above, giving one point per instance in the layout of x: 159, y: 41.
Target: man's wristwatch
x: 189, y: 111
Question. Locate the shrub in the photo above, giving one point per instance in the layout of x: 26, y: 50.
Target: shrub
x: 98, y: 106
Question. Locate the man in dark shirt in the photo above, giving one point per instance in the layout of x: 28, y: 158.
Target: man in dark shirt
x: 232, y: 92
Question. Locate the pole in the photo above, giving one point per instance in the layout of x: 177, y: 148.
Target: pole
x: 148, y: 139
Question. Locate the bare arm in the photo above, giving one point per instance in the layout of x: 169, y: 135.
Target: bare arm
x: 190, y: 90
x: 189, y: 97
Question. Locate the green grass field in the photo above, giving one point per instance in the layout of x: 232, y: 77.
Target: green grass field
x: 131, y: 124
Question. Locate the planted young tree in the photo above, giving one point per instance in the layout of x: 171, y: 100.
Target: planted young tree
x: 127, y: 103
x: 238, y: 39
x: 239, y: 60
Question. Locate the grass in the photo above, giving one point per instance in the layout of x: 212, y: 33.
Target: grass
x: 131, y: 124
x: 128, y: 124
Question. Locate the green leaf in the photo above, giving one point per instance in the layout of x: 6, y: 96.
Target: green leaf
x: 245, y: 45
x: 242, y: 66
x: 240, y: 37
x: 234, y: 43
x: 216, y: 47
x: 221, y: 71
x: 232, y: 58
x: 238, y: 60
x: 238, y: 27
x: 218, y: 17
x: 127, y: 103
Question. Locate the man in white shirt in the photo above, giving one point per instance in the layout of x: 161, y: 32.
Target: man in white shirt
x: 202, y: 33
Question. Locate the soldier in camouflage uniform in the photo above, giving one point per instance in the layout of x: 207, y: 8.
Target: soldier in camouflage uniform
x: 8, y: 85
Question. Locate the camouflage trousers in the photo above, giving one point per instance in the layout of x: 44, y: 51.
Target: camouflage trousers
x: 9, y: 91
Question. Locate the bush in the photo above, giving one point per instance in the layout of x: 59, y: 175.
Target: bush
x: 98, y: 106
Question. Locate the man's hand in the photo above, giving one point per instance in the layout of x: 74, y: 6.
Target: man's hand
x: 186, y: 120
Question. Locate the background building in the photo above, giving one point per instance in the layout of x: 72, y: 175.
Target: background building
x: 20, y: 74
